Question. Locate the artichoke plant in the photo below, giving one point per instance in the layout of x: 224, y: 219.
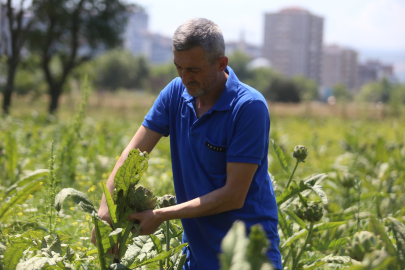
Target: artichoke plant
x: 348, y: 180
x: 140, y: 199
x: 300, y: 153
x: 312, y: 212
x: 167, y: 200
x: 362, y: 243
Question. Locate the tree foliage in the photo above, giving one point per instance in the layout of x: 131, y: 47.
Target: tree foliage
x: 73, y: 32
x: 120, y: 69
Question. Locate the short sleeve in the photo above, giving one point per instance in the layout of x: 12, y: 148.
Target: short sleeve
x: 157, y: 118
x: 251, y: 134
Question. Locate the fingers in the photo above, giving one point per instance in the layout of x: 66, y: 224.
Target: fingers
x: 93, y: 237
x: 133, y: 216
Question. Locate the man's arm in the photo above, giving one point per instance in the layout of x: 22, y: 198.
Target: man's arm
x: 229, y: 197
x: 145, y: 139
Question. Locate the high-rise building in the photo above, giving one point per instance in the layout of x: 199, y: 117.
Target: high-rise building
x: 339, y: 66
x: 293, y: 42
x: 374, y: 70
x: 136, y: 36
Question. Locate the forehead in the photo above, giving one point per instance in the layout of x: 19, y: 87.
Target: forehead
x: 195, y: 57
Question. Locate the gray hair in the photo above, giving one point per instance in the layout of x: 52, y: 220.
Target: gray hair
x: 203, y: 33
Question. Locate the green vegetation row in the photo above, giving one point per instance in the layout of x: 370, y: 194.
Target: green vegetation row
x: 341, y: 208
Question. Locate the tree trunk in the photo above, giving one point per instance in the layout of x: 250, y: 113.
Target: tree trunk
x: 54, y: 93
x: 9, y: 88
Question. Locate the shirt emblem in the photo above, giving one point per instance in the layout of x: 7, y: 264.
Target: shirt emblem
x: 215, y: 148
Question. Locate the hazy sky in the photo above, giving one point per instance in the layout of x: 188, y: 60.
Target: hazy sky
x: 376, y: 28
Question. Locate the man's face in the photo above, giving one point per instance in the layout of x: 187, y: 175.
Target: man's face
x: 196, y: 72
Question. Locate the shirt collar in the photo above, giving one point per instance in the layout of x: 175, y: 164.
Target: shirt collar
x: 225, y: 100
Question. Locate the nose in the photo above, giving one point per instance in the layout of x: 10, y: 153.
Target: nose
x: 186, y: 76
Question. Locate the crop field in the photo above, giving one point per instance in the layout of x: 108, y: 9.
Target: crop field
x: 341, y: 204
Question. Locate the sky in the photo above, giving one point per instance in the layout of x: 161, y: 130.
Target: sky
x: 375, y: 28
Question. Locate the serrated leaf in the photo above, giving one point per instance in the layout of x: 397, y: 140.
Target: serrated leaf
x: 398, y: 230
x: 337, y: 242
x: 297, y: 220
x: 281, y: 157
x: 139, y: 250
x: 17, y: 246
x: 328, y: 259
x: 39, y: 263
x: 131, y: 171
x: 378, y: 229
x: 162, y: 256
x: 78, y: 197
x: 316, y: 228
x: 112, y: 208
x: 290, y: 192
x: 156, y: 242
x: 20, y: 197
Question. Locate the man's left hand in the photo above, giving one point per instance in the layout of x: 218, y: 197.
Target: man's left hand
x: 148, y: 221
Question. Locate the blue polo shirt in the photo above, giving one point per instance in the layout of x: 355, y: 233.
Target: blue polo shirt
x: 235, y: 129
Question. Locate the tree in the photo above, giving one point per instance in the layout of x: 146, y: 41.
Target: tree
x: 18, y: 35
x: 283, y: 89
x: 308, y: 88
x: 73, y: 32
x: 120, y: 69
x: 238, y: 61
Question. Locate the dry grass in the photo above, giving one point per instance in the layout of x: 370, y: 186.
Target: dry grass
x: 134, y: 105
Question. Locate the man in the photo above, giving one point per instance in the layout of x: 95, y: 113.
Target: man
x: 219, y: 136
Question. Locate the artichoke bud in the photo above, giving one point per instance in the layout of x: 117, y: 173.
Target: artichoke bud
x: 141, y: 199
x: 300, y: 152
x: 167, y: 200
x: 348, y: 180
x: 313, y: 212
x: 363, y: 242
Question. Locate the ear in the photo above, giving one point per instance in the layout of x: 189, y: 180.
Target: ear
x: 223, y: 63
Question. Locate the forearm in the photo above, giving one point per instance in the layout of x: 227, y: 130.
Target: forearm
x: 217, y: 201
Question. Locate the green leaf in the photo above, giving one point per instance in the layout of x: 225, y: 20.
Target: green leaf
x: 281, y: 157
x: 257, y: 247
x: 141, y: 250
x: 297, y: 220
x: 118, y: 266
x: 329, y: 259
x: 18, y: 244
x: 182, y: 260
x: 156, y: 242
x: 337, y: 243
x: 131, y: 171
x: 25, y: 180
x: 234, y: 248
x: 10, y: 144
x: 162, y: 256
x: 39, y: 263
x: 20, y: 197
x: 112, y: 208
x: 290, y: 192
x: 398, y: 230
x: 329, y: 225
x: 101, y: 251
x: 302, y: 233
x: 378, y: 229
x: 78, y: 197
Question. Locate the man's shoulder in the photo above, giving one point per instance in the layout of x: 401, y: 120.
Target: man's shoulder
x: 249, y: 95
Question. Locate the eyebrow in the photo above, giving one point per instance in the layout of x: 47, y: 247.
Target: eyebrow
x: 185, y: 67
